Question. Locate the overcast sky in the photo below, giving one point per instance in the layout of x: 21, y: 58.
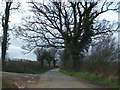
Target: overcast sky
x: 15, y: 50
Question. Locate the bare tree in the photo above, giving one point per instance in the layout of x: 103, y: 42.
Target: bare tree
x: 44, y: 55
x: 69, y: 25
x: 5, y: 25
x: 5, y: 20
x: 53, y: 53
x: 39, y: 55
x: 103, y: 58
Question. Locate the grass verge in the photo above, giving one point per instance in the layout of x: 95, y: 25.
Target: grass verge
x: 93, y: 78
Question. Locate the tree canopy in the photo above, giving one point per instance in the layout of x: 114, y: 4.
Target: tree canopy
x: 73, y: 26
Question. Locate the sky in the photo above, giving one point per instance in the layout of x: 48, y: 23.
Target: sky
x: 15, y: 50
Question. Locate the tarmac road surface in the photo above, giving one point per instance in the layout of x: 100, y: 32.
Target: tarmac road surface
x: 50, y: 79
x: 56, y: 79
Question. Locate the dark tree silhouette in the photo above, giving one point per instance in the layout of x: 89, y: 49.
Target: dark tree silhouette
x: 40, y: 55
x: 69, y: 25
x: 5, y: 20
x: 44, y: 56
x: 5, y: 25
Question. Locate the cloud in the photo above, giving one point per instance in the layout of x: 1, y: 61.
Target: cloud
x: 15, y: 50
x: 111, y: 16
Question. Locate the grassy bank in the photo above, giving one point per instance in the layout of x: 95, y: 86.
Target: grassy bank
x: 93, y: 78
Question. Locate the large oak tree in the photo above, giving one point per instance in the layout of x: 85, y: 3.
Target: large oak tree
x: 69, y: 25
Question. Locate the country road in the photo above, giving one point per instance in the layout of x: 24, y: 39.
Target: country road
x: 50, y: 79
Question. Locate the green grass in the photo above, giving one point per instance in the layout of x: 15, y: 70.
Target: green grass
x: 94, y: 79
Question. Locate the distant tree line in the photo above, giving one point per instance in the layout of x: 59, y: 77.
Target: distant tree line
x: 46, y: 56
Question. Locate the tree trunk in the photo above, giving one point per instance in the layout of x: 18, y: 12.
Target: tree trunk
x: 42, y: 63
x: 49, y: 64
x: 4, y: 46
x: 54, y: 63
x: 71, y: 57
x: 5, y: 21
x: 74, y: 59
